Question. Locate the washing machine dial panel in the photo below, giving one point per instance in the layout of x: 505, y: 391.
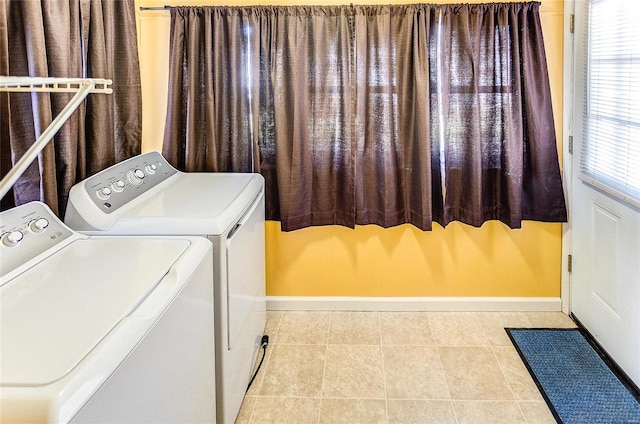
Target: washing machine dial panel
x: 27, y: 231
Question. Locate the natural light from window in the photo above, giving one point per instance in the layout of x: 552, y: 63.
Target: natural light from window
x: 610, y: 159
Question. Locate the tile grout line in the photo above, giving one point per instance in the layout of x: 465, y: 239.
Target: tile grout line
x: 493, y: 352
x: 384, y: 376
x: 444, y: 374
x: 504, y: 375
x: 434, y: 399
x: 324, y: 368
x: 514, y: 395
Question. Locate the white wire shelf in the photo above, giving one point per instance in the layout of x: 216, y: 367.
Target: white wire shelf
x: 80, y: 86
x: 54, y: 85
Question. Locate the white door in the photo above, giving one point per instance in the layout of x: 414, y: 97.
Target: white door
x: 605, y: 281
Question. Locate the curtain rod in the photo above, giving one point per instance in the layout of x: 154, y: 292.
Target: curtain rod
x: 165, y: 7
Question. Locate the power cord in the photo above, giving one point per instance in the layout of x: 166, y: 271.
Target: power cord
x: 264, y: 342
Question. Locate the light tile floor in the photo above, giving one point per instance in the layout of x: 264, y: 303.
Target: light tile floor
x: 396, y: 367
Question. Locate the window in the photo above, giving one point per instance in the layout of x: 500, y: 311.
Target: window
x: 610, y: 158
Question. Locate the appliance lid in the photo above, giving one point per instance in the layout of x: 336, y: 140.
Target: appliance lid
x: 194, y: 204
x: 54, y: 314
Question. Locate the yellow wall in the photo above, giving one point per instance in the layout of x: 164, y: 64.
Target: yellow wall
x: 370, y: 261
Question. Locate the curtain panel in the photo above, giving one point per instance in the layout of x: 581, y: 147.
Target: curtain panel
x: 370, y: 114
x: 497, y: 128
x: 75, y: 39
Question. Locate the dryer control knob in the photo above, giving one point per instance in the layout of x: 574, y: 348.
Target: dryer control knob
x: 12, y: 238
x: 104, y: 193
x: 151, y: 169
x: 136, y: 176
x: 38, y: 225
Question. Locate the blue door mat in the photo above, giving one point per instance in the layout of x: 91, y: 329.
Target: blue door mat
x: 578, y: 382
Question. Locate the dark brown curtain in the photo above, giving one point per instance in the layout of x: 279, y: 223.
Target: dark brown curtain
x: 370, y: 114
x: 311, y: 72
x: 236, y: 104
x: 496, y: 121
x: 74, y: 38
x: 210, y: 119
x: 397, y: 180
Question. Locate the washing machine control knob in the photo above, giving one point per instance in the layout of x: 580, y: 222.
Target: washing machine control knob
x: 118, y: 186
x: 151, y: 169
x: 12, y: 238
x: 104, y: 193
x: 38, y: 225
x: 136, y: 176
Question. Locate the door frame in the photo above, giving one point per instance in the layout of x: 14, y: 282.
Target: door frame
x: 568, y: 68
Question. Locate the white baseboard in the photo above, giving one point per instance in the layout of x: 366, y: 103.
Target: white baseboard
x: 436, y: 304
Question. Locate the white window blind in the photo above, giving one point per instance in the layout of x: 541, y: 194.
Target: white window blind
x: 610, y: 158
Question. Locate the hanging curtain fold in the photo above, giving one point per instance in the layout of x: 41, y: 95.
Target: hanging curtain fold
x: 311, y: 76
x: 370, y: 114
x: 210, y: 117
x: 77, y: 39
x: 266, y: 89
x: 496, y: 124
x: 396, y: 167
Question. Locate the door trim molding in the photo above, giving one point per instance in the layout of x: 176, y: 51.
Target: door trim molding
x: 567, y: 159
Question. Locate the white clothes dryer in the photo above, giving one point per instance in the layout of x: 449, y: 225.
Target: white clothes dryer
x: 103, y: 329
x: 145, y: 195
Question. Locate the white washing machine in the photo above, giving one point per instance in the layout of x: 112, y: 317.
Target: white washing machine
x: 103, y: 329
x: 146, y: 195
